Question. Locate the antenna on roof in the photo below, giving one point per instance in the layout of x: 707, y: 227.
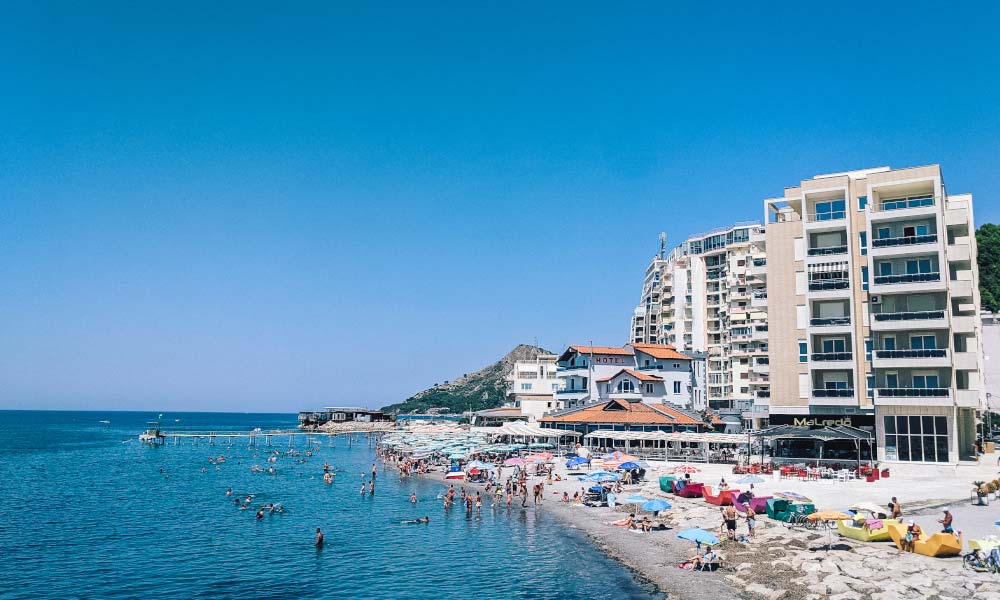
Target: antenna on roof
x: 663, y: 244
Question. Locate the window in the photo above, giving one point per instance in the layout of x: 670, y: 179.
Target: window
x: 827, y: 211
x: 864, y: 278
x: 920, y: 265
x: 870, y: 385
x: 555, y: 386
x: 889, y: 342
x: 803, y: 352
x: 892, y: 379
x: 916, y: 438
x: 677, y: 365
x: 926, y: 381
x: 677, y: 387
x: 833, y: 345
x: 868, y: 349
x: 548, y: 405
x: 863, y: 236
x: 862, y: 202
x: 885, y: 268
x: 525, y: 386
x: 883, y: 233
x: 626, y: 386
x: 649, y: 388
x: 923, y: 342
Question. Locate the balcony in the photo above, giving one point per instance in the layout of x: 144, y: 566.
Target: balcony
x: 969, y: 399
x: 906, y: 278
x: 911, y: 358
x: 829, y: 285
x: 578, y: 369
x: 960, y: 251
x: 901, y: 208
x: 912, y: 240
x: 913, y: 396
x: 831, y: 356
x: 763, y: 393
x: 828, y: 251
x: 918, y: 353
x: 833, y: 393
x: 907, y: 320
x: 565, y: 393
x: 966, y: 361
x: 829, y: 321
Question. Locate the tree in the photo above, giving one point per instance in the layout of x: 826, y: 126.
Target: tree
x: 988, y: 240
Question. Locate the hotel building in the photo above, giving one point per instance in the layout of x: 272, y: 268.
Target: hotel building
x: 874, y: 322
x: 647, y: 373
x: 708, y: 295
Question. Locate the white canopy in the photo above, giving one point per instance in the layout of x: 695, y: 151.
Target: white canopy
x: 680, y: 436
x: 522, y: 429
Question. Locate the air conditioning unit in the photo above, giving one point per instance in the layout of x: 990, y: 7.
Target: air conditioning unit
x: 875, y: 299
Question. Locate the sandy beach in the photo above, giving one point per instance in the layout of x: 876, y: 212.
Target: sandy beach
x: 792, y: 563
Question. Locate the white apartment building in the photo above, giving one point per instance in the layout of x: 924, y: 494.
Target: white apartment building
x: 708, y: 295
x: 873, y: 274
x: 532, y: 386
x: 651, y: 373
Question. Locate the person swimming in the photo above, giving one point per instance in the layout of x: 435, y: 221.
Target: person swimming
x: 416, y: 521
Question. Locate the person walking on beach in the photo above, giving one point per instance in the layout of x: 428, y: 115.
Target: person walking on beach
x: 729, y: 519
x: 946, y: 521
x: 319, y: 539
x: 751, y: 517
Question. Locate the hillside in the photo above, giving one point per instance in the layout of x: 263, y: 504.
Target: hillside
x: 485, y: 388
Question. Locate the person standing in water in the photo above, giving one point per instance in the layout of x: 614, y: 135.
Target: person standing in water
x: 319, y: 539
x: 413, y: 497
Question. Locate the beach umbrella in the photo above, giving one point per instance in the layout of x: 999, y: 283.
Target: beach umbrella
x: 576, y: 461
x: 514, y: 462
x: 602, y: 477
x: 749, y: 479
x: 792, y: 496
x: 698, y: 536
x: 456, y: 456
x: 628, y: 466
x: 870, y: 507
x: 474, y: 471
x: 635, y: 499
x: 656, y: 505
x: 689, y: 469
x: 596, y: 488
x: 828, y: 515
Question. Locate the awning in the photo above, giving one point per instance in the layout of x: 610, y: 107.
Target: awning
x: 521, y: 429
x: 838, y: 432
x: 678, y: 436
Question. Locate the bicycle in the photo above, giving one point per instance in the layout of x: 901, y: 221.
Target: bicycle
x: 976, y: 560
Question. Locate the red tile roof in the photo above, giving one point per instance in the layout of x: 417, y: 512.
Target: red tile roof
x: 620, y: 411
x: 602, y: 350
x: 636, y: 374
x: 661, y: 351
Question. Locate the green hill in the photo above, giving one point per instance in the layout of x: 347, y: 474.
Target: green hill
x: 486, y: 388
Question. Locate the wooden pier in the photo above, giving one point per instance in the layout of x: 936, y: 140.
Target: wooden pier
x: 289, y: 437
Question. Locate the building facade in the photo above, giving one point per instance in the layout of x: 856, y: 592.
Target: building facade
x: 874, y: 320
x: 708, y: 296
x: 532, y: 386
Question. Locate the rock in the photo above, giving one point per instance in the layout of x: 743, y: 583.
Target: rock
x: 846, y: 596
x: 765, y: 592
x: 836, y: 584
x: 829, y: 566
x: 743, y: 567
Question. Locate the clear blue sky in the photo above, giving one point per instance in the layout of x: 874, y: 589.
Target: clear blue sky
x: 222, y: 206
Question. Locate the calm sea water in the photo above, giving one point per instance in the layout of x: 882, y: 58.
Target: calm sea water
x: 88, y: 512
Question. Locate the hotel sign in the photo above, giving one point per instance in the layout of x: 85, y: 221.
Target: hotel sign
x: 609, y: 360
x: 817, y: 421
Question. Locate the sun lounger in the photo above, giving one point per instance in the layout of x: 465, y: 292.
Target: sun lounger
x: 856, y: 530
x: 937, y: 545
x: 722, y: 498
x: 690, y: 490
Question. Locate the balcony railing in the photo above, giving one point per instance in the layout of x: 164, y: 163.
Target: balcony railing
x: 833, y: 393
x: 911, y: 240
x: 828, y: 250
x: 928, y: 353
x: 760, y: 295
x: 571, y: 392
x: 826, y: 216
x: 913, y: 392
x: 829, y: 321
x: 907, y: 278
x: 900, y: 203
x: 820, y: 285
x: 763, y: 393
x: 910, y: 316
x: 759, y: 262
x: 826, y: 356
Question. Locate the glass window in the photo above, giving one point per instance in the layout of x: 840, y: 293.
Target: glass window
x: 864, y: 242
x: 883, y: 233
x: 868, y: 349
x: 864, y: 276
x: 929, y: 447
x: 891, y: 380
x: 902, y: 425
x: 941, y: 425
x: 911, y: 267
x: 928, y: 425
x: 916, y: 447
x: 803, y: 352
x: 862, y: 202
x: 914, y: 424
x: 885, y: 268
x: 889, y: 423
x: 903, y: 447
x: 870, y: 385
x: 942, y: 447
x: 677, y: 387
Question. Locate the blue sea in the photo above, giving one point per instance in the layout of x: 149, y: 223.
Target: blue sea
x: 86, y: 511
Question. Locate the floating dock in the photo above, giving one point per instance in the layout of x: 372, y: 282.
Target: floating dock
x: 283, y: 437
